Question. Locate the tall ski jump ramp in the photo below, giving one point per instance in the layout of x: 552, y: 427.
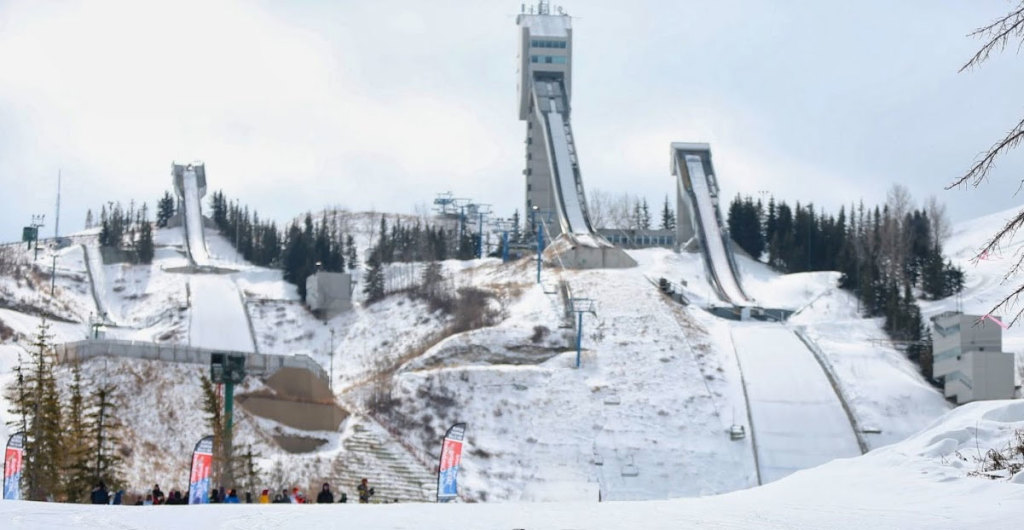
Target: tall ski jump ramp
x: 699, y: 219
x: 554, y: 184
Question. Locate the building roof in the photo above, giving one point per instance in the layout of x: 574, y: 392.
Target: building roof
x: 546, y: 25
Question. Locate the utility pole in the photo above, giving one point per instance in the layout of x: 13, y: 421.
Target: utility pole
x: 56, y: 239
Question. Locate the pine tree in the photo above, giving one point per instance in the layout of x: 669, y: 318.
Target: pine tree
x: 42, y: 419
x: 351, y: 255
x: 645, y: 215
x: 103, y: 429
x: 164, y: 209
x: 215, y: 423
x: 517, y: 234
x: 374, y: 282
x: 144, y: 247
x: 668, y: 217
x: 88, y: 219
x: 77, y: 473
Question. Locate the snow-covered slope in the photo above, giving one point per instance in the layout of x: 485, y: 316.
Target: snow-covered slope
x: 646, y: 417
x: 919, y: 483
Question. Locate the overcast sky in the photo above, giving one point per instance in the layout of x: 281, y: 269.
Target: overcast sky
x: 381, y: 105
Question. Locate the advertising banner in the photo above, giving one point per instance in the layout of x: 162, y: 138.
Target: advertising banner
x: 451, y: 457
x: 13, y: 457
x: 199, y: 477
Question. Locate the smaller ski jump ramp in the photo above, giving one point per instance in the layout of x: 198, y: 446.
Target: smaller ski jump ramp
x: 190, y: 184
x: 700, y: 218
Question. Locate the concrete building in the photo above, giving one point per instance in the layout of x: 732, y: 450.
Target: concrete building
x: 967, y: 358
x: 639, y: 238
x: 329, y: 293
x: 545, y: 49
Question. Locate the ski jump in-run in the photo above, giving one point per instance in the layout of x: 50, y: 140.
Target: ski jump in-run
x: 700, y: 218
x: 190, y: 185
x: 554, y: 184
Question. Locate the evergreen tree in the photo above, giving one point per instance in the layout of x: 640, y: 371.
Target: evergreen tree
x: 668, y: 217
x: 103, y: 429
x: 215, y: 423
x: 350, y: 252
x: 164, y: 209
x: 77, y: 471
x: 144, y: 247
x: 374, y: 282
x: 88, y: 219
x: 42, y: 464
x: 645, y: 215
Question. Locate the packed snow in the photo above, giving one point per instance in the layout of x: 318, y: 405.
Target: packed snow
x: 194, y: 219
x: 919, y: 483
x: 796, y: 416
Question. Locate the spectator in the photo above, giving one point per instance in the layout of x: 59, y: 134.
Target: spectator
x: 365, y: 492
x: 265, y: 497
x: 149, y: 500
x: 100, y: 495
x: 344, y: 498
x: 158, y: 496
x: 118, y: 497
x: 325, y: 496
x: 232, y: 498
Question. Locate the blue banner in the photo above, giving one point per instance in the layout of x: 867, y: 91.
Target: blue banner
x: 199, y: 477
x: 451, y: 459
x: 13, y: 458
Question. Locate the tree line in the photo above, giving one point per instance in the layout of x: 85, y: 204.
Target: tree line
x: 888, y: 255
x: 125, y: 229
x: 71, y: 437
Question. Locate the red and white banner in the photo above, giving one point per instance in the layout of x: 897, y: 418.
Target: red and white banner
x: 202, y: 467
x: 451, y: 459
x: 13, y: 457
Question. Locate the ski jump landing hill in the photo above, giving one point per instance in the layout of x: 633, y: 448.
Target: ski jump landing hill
x: 554, y: 184
x: 700, y: 219
x: 190, y: 185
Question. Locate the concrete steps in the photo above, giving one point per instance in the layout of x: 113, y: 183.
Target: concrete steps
x: 370, y: 452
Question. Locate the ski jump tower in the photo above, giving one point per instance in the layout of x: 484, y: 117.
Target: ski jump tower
x: 554, y: 185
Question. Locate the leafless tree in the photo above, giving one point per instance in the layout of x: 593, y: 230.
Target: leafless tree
x: 938, y: 218
x: 996, y: 36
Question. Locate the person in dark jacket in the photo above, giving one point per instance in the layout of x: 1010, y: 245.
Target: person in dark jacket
x: 100, y: 495
x: 325, y: 496
x: 365, y: 492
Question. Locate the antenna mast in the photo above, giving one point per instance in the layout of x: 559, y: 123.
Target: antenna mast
x: 56, y: 222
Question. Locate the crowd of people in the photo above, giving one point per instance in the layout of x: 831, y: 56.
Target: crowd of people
x: 155, y: 496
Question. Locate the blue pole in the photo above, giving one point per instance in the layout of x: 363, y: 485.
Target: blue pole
x: 579, y: 337
x: 540, y: 249
x: 504, y: 246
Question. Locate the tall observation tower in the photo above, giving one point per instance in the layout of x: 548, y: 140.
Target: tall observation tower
x: 554, y: 183
x: 545, y: 52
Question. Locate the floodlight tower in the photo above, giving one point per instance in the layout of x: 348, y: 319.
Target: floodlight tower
x: 545, y: 52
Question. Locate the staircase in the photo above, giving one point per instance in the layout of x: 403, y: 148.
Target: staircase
x: 371, y: 453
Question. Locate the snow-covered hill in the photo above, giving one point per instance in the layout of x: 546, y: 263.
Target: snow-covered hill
x: 647, y: 416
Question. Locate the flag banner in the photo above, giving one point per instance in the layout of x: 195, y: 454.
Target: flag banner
x: 12, y: 466
x: 451, y: 458
x: 199, y: 477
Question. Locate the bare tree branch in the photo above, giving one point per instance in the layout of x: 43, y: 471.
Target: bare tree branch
x: 980, y: 169
x: 1007, y: 232
x: 998, y: 33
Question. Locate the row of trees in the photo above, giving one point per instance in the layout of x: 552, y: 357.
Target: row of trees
x: 416, y: 243
x: 258, y: 241
x: 887, y: 255
x: 71, y: 437
x: 310, y: 247
x: 628, y: 212
x: 125, y: 229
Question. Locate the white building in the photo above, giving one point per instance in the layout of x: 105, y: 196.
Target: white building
x: 967, y: 357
